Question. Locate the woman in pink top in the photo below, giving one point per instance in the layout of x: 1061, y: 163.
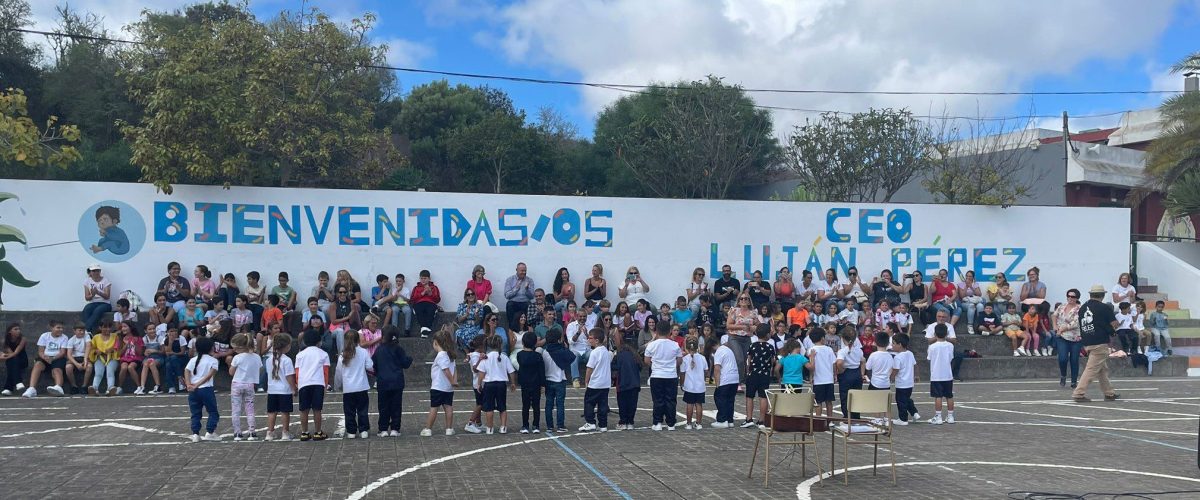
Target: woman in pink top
x: 481, y: 286
x: 370, y: 336
x: 564, y: 290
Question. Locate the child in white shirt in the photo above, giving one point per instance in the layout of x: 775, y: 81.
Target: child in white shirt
x: 77, y: 359
x: 820, y: 363
x: 201, y: 397
x: 281, y: 383
x: 312, y: 375
x: 904, y: 373
x: 692, y: 367
x: 494, y: 372
x: 353, y: 363
x: 725, y: 371
x: 244, y: 369
x: 941, y: 378
x: 880, y: 364
x: 599, y: 381
x: 903, y: 319
x: 1125, y: 333
x: 443, y: 381
x: 474, y: 358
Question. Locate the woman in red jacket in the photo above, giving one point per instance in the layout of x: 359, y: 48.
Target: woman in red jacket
x: 425, y: 299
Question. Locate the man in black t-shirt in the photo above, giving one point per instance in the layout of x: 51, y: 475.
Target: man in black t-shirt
x: 727, y: 287
x: 1097, y: 323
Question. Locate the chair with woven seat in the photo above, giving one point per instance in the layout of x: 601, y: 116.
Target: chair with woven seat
x: 857, y: 430
x: 790, y: 416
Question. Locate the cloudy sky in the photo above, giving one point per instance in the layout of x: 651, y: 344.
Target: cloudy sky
x: 859, y: 45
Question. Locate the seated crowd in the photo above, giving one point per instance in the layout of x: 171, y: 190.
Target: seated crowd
x: 740, y: 337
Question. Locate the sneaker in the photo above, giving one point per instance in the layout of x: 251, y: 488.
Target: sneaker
x: 20, y: 387
x: 504, y: 429
x: 587, y: 427
x: 950, y: 419
x: 1037, y: 352
x: 722, y: 425
x: 1016, y: 354
x: 1024, y: 351
x: 561, y: 430
x: 252, y: 437
x: 320, y: 436
x: 139, y: 391
x: 261, y: 390
x: 171, y: 391
x: 269, y: 437
x: 1114, y: 397
x: 56, y: 390
x: 575, y: 383
x: 304, y: 436
x: 488, y: 430
x: 697, y: 426
x: 524, y: 430
x: 1045, y: 351
x: 120, y: 391
x: 602, y: 429
x: 670, y: 427
x: 92, y: 391
x: 29, y: 393
x: 687, y: 426
x: 286, y: 436
x: 1082, y: 399
x: 748, y: 424
x: 916, y: 417
x: 472, y: 428
x: 211, y: 437
x: 425, y: 332
x: 657, y: 427
x: 395, y: 433
x: 1062, y: 381
x: 536, y: 430
x: 154, y: 391
x: 348, y: 436
x: 6, y: 392
x: 195, y: 438
x: 937, y: 420
x: 449, y: 432
x: 896, y: 421
x: 182, y: 387
x: 364, y: 435
x: 237, y: 436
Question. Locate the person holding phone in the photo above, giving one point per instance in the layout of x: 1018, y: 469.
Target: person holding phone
x: 634, y: 288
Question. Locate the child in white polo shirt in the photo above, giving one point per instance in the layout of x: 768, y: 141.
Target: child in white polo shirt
x: 904, y: 373
x: 820, y: 363
x: 941, y: 379
x: 725, y: 371
x: 599, y: 381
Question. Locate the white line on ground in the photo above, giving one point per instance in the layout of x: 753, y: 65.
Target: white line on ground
x: 1114, y: 408
x: 1022, y: 412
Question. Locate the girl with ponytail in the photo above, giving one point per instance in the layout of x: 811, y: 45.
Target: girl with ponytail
x: 281, y: 384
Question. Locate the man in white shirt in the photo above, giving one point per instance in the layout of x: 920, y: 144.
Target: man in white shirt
x: 942, y: 319
x: 577, y: 338
x: 662, y: 354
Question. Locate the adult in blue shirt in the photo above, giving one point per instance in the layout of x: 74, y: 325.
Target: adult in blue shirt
x: 518, y: 291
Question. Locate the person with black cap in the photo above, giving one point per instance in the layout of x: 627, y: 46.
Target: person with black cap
x: 1097, y: 323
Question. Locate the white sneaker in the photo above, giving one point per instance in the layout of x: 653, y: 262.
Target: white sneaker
x: 936, y: 420
x: 210, y: 437
x: 697, y: 426
x: 916, y: 417
x: 425, y: 332
x: 426, y: 433
x: 670, y: 427
x: 6, y: 392
x: 896, y: 421
x: 269, y: 437
x: 536, y: 430
x: 120, y: 391
x: 503, y: 429
x: 29, y: 393
x: 20, y: 387
x: 182, y: 387
x: 364, y: 435
x: 588, y: 427
x: 1016, y: 354
x: 722, y: 425
x: 1023, y: 351
x: 139, y: 391
x: 261, y: 390
x: 237, y: 436
x: 195, y: 438
x: 524, y: 430
x: 950, y: 418
x: 154, y: 391
x: 488, y: 431
x: 1046, y: 351
x: 55, y: 390
x: 393, y: 433
x: 382, y: 434
x: 286, y: 436
x: 171, y: 391
x: 472, y: 428
x: 350, y: 435
x: 1037, y: 352
x: 687, y: 426
x: 449, y: 432
x: 657, y: 427
x: 748, y: 424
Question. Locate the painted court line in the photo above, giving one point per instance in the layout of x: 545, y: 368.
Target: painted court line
x: 617, y: 489
x: 1114, y: 408
x: 1076, y: 426
x: 1022, y: 412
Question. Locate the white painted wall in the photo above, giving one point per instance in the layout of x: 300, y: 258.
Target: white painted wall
x: 667, y: 239
x: 1173, y: 275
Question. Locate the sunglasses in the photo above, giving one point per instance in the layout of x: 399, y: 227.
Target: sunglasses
x: 469, y: 295
x: 1069, y: 296
x: 340, y: 292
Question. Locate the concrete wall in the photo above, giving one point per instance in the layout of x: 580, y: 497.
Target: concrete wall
x: 1174, y: 267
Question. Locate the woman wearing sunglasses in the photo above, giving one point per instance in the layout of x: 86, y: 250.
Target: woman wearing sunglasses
x: 1065, y: 322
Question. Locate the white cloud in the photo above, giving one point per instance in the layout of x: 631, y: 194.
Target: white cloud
x: 830, y: 44
x: 403, y: 52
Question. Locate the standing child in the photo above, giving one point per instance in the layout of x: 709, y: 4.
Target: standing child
x: 1159, y: 329
x: 558, y: 361
x: 725, y: 372
x: 629, y: 384
x: 281, y: 384
x: 904, y: 373
x: 848, y: 367
x: 820, y: 363
x: 199, y: 372
x: 1129, y: 340
x: 941, y: 379
x: 390, y: 360
x: 494, y: 372
x: 693, y: 366
x: 760, y: 364
x: 353, y: 363
x: 531, y: 375
x: 880, y: 364
x: 244, y: 368
x: 77, y: 361
x: 444, y: 379
x: 474, y: 359
x: 790, y: 368
x: 599, y: 381
x: 663, y: 356
x: 312, y: 375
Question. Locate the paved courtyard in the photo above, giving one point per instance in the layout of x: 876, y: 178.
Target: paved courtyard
x: 1010, y: 436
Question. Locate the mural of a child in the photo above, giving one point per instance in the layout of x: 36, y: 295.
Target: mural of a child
x: 112, y: 238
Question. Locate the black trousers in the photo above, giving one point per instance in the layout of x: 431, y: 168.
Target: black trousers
x: 1129, y: 340
x: 391, y: 404
x: 595, y: 406
x: 849, y: 379
x: 627, y: 405
x: 14, y: 370
x: 904, y: 403
x: 531, y: 397
x: 723, y: 397
x: 354, y: 405
x: 426, y: 313
x: 663, y: 392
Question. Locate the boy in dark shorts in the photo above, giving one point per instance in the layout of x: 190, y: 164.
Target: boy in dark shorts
x: 760, y: 364
x: 941, y: 380
x: 820, y: 363
x: 312, y: 375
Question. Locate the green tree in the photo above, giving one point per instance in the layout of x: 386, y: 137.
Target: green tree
x: 19, y: 61
x: 499, y: 154
x: 23, y: 141
x: 860, y: 157
x: 983, y: 163
x: 1173, y: 159
x: 701, y: 139
x: 229, y: 99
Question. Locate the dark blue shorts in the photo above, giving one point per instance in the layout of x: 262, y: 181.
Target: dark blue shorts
x: 440, y: 398
x: 279, y: 403
x: 823, y: 393
x: 312, y: 397
x: 693, y: 398
x: 942, y: 389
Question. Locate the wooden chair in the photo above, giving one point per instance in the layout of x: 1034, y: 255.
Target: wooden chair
x: 880, y: 432
x: 791, y: 416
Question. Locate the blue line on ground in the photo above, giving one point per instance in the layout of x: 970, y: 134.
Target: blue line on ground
x: 620, y: 492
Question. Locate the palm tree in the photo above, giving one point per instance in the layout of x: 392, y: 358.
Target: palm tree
x: 1173, y: 160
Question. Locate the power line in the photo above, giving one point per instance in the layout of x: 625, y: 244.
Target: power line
x: 641, y: 89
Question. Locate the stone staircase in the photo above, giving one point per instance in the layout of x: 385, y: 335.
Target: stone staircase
x: 1185, y: 331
